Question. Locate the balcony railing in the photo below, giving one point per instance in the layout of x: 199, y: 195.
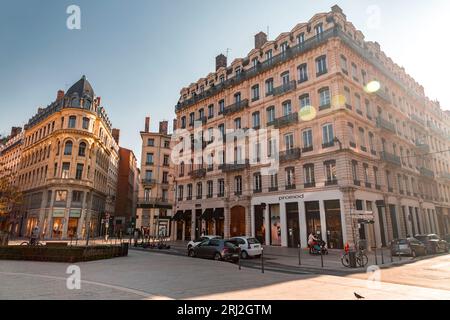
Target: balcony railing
x: 444, y: 175
x: 289, y: 155
x: 391, y: 158
x: 285, y: 88
x: 424, y: 147
x: 284, y: 121
x: 385, y: 124
x: 148, y: 182
x: 417, y: 119
x: 153, y: 202
x: 236, y: 107
x: 384, y: 96
x: 233, y: 167
x: 426, y: 172
x: 198, y: 174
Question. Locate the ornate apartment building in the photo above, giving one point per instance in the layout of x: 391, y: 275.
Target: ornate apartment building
x: 68, y: 169
x: 357, y: 142
x: 154, y: 210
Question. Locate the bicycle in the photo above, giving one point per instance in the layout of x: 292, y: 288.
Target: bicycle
x: 361, y: 259
x: 35, y: 243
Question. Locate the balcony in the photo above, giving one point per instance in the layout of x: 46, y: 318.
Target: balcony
x: 290, y: 187
x: 444, y: 175
x: 427, y: 173
x: 289, y: 155
x: 415, y: 118
x: 233, y: 167
x: 386, y: 125
x: 331, y: 183
x: 273, y: 189
x: 154, y: 203
x: 148, y: 182
x: 203, y: 120
x: 391, y: 158
x: 437, y: 130
x: 285, y: 88
x: 237, y: 107
x: 198, y: 174
x: 310, y: 185
x: 382, y: 94
x: 284, y: 121
x: 423, y: 147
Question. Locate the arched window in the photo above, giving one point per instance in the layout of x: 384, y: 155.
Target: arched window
x: 68, y: 148
x: 82, y: 149
x: 72, y: 122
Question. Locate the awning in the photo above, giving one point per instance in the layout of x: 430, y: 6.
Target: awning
x: 178, y: 216
x: 187, y: 215
x: 208, y: 214
x: 218, y: 213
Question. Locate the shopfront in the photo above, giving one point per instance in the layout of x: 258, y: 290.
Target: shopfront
x: 334, y: 224
x: 293, y: 224
x: 219, y: 221
x: 57, y: 223
x: 187, y: 216
x: 72, y: 226
x: 260, y: 226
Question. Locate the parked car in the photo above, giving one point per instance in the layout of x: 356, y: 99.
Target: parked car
x: 408, y: 247
x: 250, y: 247
x: 217, y: 249
x: 433, y: 243
x: 194, y: 243
x: 447, y: 238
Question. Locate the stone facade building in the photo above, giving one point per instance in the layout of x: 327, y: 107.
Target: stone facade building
x: 156, y: 188
x: 68, y: 166
x: 356, y: 140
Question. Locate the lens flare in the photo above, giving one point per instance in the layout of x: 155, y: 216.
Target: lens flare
x: 307, y: 113
x: 372, y: 86
x: 339, y: 101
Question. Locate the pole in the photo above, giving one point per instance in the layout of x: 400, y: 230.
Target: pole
x: 262, y: 260
x: 382, y: 255
x: 239, y: 259
x: 299, y: 254
x: 321, y: 257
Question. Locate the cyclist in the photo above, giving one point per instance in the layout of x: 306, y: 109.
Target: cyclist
x: 34, y: 235
x: 312, y: 241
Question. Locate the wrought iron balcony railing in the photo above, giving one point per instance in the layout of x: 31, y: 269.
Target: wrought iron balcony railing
x: 385, y: 124
x: 198, y: 173
x: 391, y: 158
x: 289, y: 155
x: 285, y: 88
x: 236, y: 107
x: 426, y: 172
x: 284, y: 121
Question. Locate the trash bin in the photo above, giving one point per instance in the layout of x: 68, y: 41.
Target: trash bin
x: 352, y: 259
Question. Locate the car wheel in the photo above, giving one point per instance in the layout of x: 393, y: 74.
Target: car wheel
x: 244, y: 255
x: 217, y: 256
x: 191, y: 253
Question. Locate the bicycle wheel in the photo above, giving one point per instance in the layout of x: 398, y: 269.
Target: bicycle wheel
x: 345, y: 260
x: 24, y: 243
x: 362, y: 260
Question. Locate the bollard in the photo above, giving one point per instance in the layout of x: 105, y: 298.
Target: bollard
x: 299, y: 254
x: 239, y: 260
x: 392, y: 258
x: 262, y: 260
x: 382, y: 256
x: 376, y: 259
x: 321, y: 257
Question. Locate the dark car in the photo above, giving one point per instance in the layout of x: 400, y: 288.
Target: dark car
x: 408, y: 247
x: 433, y: 243
x: 217, y: 249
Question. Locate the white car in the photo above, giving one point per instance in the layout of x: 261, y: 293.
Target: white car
x: 196, y: 242
x: 250, y: 247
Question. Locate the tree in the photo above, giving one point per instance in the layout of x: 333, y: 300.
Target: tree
x: 10, y: 196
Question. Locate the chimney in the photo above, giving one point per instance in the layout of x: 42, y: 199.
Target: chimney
x: 221, y: 61
x: 147, y: 124
x: 116, y: 135
x: 260, y: 40
x: 60, y: 95
x: 163, y: 127
x: 15, y: 131
x: 174, y: 125
x: 336, y: 9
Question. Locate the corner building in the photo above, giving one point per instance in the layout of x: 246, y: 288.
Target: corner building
x: 356, y: 139
x: 68, y: 169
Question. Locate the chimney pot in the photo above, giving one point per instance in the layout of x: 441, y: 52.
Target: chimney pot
x: 147, y: 124
x: 163, y: 127
x: 221, y: 61
x: 60, y: 95
x: 260, y: 40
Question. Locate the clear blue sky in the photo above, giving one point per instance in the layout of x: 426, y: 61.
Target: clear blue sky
x: 138, y: 54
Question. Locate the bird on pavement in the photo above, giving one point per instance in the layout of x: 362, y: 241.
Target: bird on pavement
x: 359, y: 297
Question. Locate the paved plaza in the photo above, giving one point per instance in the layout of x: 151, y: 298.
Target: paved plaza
x: 153, y: 275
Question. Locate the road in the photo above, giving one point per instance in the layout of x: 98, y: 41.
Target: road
x: 152, y: 275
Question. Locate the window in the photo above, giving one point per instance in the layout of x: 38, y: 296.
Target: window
x: 371, y: 142
x: 79, y: 172
x: 368, y: 110
x: 72, y: 122
x: 210, y: 189
x: 210, y: 111
x: 307, y: 139
x: 183, y: 122
x: 318, y: 30
x: 302, y: 73
x: 86, y: 122
x: 348, y: 98
x: 237, y: 123
x: 82, y: 149
x: 324, y: 98
x: 68, y: 148
x: 351, y: 135
x: 151, y: 142
x: 355, y: 172
x: 289, y: 141
x: 65, y: 173
x: 237, y: 97
x: 77, y: 196
x: 238, y: 185
x: 254, y: 62
x: 221, y: 183
x: 221, y: 128
x: 148, y: 175
x: 189, y: 192
x: 344, y: 64
x: 321, y: 66
x: 301, y: 39
x: 359, y: 205
x: 199, y: 190
x: 221, y: 106
x: 166, y: 160
x: 191, y: 119
x: 305, y: 101
x: 60, y: 196
x: 366, y: 174
x: 327, y: 135
x: 257, y: 185
x: 362, y: 139
x: 330, y: 172
x: 375, y: 176
x: 284, y: 46
x: 269, y: 87
x: 256, y: 120
x: 166, y: 144
x: 358, y: 103
x: 287, y: 108
x: 285, y: 78
x: 269, y: 55
x: 270, y: 114
x: 355, y: 72
x: 255, y: 92
x: 308, y: 174
x: 290, y: 177
x: 149, y: 159
x: 274, y: 181
x: 180, y: 193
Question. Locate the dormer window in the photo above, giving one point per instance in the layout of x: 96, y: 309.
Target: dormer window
x: 254, y: 62
x: 222, y: 79
x: 269, y: 54
x: 284, y: 47
x: 238, y: 71
x: 318, y: 30
x: 301, y: 38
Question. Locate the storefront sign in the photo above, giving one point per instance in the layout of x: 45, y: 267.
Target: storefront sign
x: 59, y: 213
x: 292, y: 197
x: 75, y: 213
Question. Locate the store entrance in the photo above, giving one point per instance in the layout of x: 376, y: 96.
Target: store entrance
x: 237, y: 225
x: 179, y: 230
x: 334, y: 224
x: 312, y: 213
x: 72, y: 228
x: 293, y: 225
x: 198, y: 223
x: 260, y: 228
